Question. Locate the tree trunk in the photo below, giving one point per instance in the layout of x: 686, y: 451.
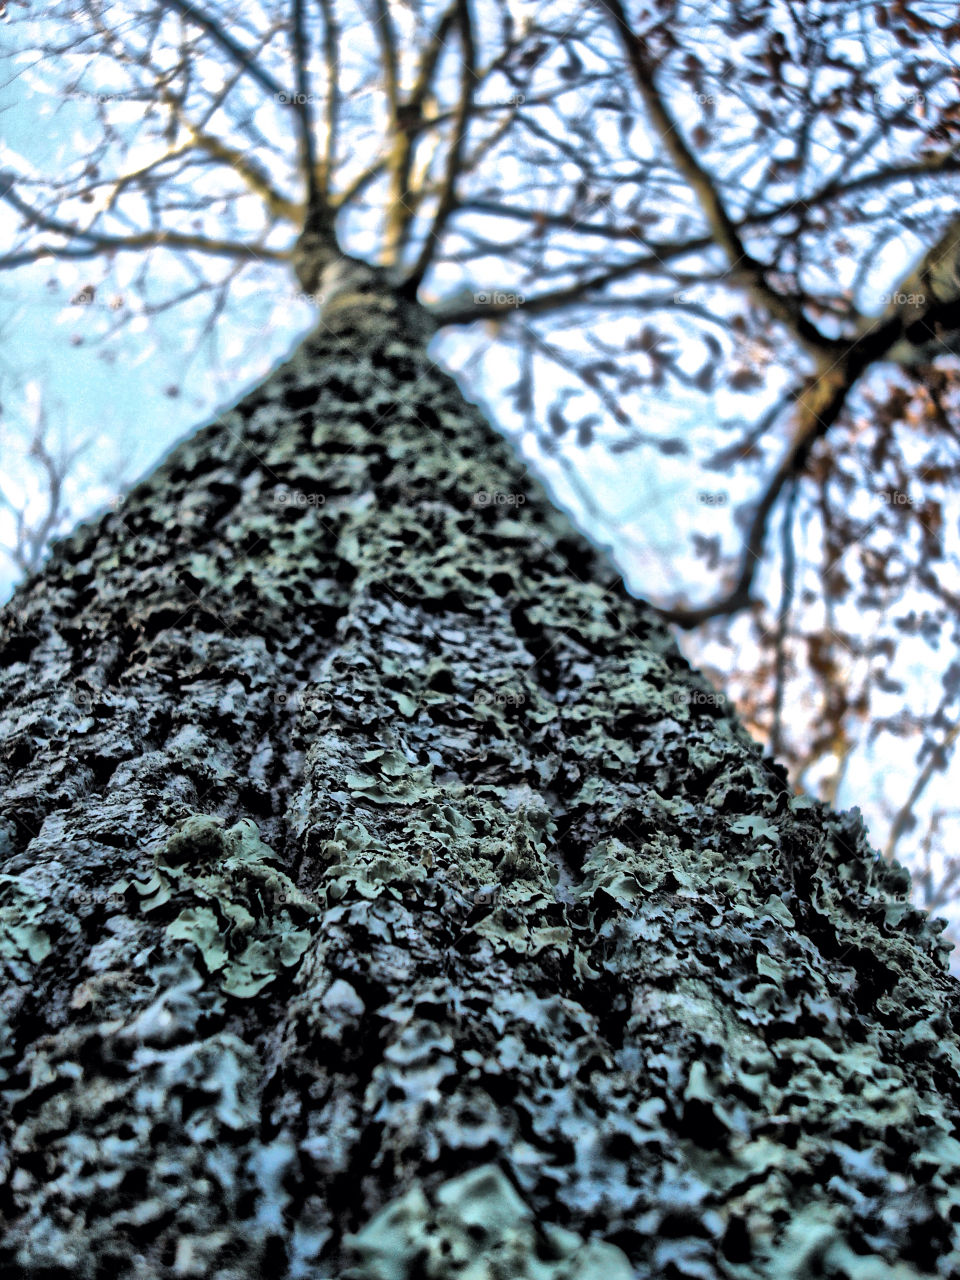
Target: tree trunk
x: 383, y: 896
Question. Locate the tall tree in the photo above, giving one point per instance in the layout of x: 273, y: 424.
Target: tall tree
x: 382, y: 893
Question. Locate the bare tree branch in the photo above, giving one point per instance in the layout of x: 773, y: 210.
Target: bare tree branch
x: 99, y: 242
x: 387, y: 39
x: 725, y: 232
x: 97, y: 245
x: 562, y: 221
x: 277, y: 205
x: 927, y: 303
x: 125, y: 180
x: 406, y: 123
x: 456, y: 311
x: 925, y: 313
x: 30, y: 541
x: 303, y: 109
x: 431, y: 56
x: 937, y: 760
x: 227, y: 43
x: 448, y: 197
x: 945, y: 163
x: 818, y: 407
x: 331, y: 57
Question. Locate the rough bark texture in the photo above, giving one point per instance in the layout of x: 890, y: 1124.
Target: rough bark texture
x: 383, y: 896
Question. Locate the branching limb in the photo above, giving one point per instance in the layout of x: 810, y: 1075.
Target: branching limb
x: 413, y: 128
x: 227, y: 43
x: 818, y: 408
x: 236, y: 74
x: 125, y: 180
x: 925, y: 313
x: 431, y: 56
x: 331, y: 58
x: 562, y: 221
x: 927, y: 303
x: 937, y: 760
x: 31, y: 541
x: 448, y: 196
x: 581, y: 293
x: 278, y: 206
x: 303, y: 107
x: 723, y: 229
x: 387, y: 39
x: 95, y: 242
x: 96, y: 245
x: 406, y: 122
x: 834, y: 190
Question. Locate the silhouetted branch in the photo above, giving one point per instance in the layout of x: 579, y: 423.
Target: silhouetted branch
x: 448, y: 195
x: 723, y: 229
x: 100, y: 242
x: 331, y: 57
x: 303, y: 109
x: 936, y: 760
x: 227, y: 43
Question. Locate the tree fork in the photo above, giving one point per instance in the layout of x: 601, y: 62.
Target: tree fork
x: 382, y: 892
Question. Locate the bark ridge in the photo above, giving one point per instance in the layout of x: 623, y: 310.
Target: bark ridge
x: 383, y: 896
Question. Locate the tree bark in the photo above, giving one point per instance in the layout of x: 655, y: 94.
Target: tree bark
x: 383, y: 896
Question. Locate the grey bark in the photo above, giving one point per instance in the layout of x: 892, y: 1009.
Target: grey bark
x: 382, y: 894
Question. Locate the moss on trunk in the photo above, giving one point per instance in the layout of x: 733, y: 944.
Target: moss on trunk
x: 383, y: 896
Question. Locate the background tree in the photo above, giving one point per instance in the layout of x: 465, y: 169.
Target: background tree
x: 49, y: 470
x: 382, y: 894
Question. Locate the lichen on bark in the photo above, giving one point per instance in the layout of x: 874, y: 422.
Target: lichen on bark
x: 383, y: 895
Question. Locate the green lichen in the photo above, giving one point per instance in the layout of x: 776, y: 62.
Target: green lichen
x: 23, y: 941
x: 247, y: 918
x: 477, y: 1228
x: 442, y: 886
